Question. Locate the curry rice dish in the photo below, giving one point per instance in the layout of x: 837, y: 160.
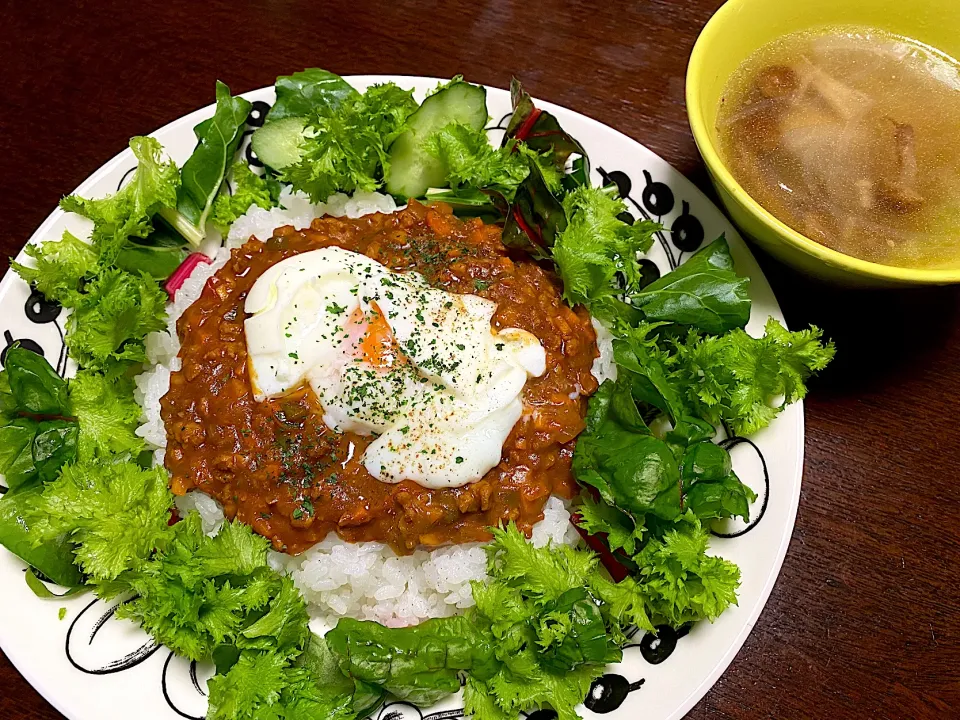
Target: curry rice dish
x: 277, y: 466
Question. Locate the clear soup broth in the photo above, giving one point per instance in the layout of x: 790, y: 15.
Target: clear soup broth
x: 851, y: 137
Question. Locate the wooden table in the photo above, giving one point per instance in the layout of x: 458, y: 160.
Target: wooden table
x: 865, y: 619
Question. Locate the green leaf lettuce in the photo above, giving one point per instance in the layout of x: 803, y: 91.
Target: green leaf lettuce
x: 345, y: 146
x: 248, y: 189
x: 114, y: 511
x: 108, y: 325
x: 596, y: 246
x: 107, y: 414
x: 127, y: 213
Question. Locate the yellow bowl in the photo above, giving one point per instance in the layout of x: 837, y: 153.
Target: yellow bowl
x: 738, y: 29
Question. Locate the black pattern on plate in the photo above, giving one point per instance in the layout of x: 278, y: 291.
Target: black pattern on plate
x: 659, y: 645
x: 687, y: 230
x: 624, y: 186
x: 657, y: 197
x: 258, y: 114
x: 501, y: 123
x: 608, y: 693
x: 409, y: 711
x: 123, y: 180
x: 729, y: 444
x: 251, y: 157
x: 75, y: 643
x: 25, y: 343
x: 41, y: 311
x: 166, y: 692
x: 544, y: 714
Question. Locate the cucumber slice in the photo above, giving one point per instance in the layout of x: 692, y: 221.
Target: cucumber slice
x: 277, y: 143
x: 412, y: 170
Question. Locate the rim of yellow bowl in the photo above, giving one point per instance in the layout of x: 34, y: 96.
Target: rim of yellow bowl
x: 934, y: 276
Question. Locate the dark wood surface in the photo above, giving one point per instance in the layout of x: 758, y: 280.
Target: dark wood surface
x: 864, y: 621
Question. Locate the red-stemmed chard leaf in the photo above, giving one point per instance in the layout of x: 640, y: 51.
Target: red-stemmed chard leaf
x: 180, y: 275
x: 618, y: 571
x: 539, y: 129
x: 537, y: 217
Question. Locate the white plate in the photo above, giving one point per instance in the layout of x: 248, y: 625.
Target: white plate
x: 91, y: 667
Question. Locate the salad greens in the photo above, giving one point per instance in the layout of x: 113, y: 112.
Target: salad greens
x: 110, y: 319
x: 113, y: 511
x: 541, y: 632
x: 414, y: 165
x: 248, y: 189
x: 596, y: 247
x: 540, y: 130
x: 704, y: 292
x: 338, y: 144
x: 37, y: 435
x: 158, y: 255
x: 53, y: 559
x: 63, y: 267
x: 300, y: 94
x: 746, y: 381
x: 733, y: 379
x: 538, y: 215
x: 203, y: 173
x: 106, y: 413
x: 348, y: 145
x: 84, y: 509
x: 471, y: 162
x: 59, y: 267
x: 142, y: 227
x: 31, y: 386
x: 420, y: 667
x: 128, y: 212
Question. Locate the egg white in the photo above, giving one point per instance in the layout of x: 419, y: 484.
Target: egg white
x: 441, y: 413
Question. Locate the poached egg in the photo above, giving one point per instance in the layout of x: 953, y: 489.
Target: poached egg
x: 388, y: 355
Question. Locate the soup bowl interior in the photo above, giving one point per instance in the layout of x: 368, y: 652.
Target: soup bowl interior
x: 740, y: 28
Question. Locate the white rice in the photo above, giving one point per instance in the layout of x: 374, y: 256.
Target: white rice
x: 369, y: 581
x: 364, y: 580
x: 604, y: 367
x: 297, y: 210
x: 209, y: 510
